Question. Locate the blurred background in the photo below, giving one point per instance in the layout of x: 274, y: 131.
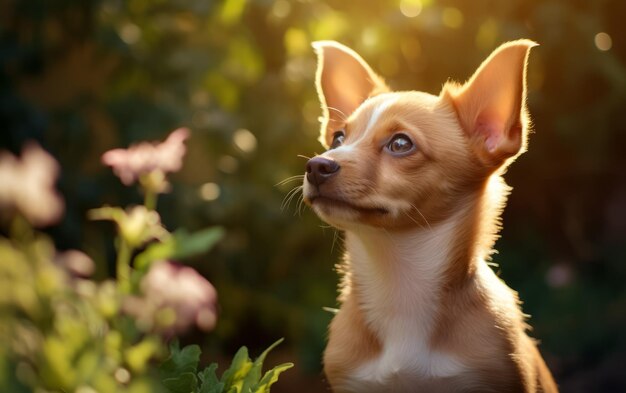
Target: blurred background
x: 82, y: 77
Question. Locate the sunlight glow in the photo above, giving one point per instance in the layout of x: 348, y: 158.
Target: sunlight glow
x: 130, y: 33
x: 281, y: 9
x: 452, y: 17
x: 244, y: 140
x: 411, y: 8
x: 603, y: 41
x: 210, y: 191
x: 370, y: 37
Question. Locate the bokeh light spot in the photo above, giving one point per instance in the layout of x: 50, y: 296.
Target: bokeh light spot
x: 559, y: 275
x: 370, y: 37
x: 297, y: 42
x: 122, y: 375
x: 281, y: 9
x: 210, y: 191
x: 244, y: 140
x: 85, y: 389
x: 411, y: 8
x: 452, y: 17
x: 130, y: 33
x: 603, y: 41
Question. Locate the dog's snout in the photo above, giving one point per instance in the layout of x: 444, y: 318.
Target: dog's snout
x: 320, y: 169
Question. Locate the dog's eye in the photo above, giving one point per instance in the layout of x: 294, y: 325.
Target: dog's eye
x: 400, y: 144
x: 338, y: 138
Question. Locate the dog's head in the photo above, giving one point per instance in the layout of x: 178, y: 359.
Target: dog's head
x: 401, y: 159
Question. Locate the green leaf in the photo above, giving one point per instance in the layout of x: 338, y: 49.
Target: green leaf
x: 238, y: 369
x: 178, y: 371
x: 181, y: 245
x: 254, y: 375
x: 209, y: 383
x: 270, y: 377
x: 184, y: 383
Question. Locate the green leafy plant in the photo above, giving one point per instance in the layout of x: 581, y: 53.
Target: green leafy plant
x: 65, y: 332
x: 180, y: 375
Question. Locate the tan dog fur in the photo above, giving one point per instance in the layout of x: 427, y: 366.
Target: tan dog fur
x: 420, y: 308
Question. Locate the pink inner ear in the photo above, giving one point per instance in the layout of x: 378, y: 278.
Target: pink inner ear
x: 491, y: 130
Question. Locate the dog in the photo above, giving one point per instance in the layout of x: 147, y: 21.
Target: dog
x: 415, y: 183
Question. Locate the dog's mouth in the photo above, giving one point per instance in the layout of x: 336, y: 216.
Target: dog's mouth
x: 325, y: 201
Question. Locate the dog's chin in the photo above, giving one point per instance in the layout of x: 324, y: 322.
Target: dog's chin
x: 341, y: 213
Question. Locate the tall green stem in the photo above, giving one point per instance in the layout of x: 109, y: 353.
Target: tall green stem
x: 123, y: 266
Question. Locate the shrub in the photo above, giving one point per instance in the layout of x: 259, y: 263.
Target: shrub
x: 63, y: 331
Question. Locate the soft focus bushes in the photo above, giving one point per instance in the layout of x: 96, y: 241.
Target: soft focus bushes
x: 64, y: 332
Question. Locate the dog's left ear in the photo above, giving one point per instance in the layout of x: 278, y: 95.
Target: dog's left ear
x: 344, y: 80
x: 491, y: 106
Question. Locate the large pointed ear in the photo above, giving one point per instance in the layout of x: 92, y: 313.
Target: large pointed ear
x: 491, y: 106
x: 344, y: 81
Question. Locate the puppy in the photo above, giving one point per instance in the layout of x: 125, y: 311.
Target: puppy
x: 414, y: 181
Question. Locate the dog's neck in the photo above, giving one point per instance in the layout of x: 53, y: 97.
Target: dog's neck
x: 402, y: 274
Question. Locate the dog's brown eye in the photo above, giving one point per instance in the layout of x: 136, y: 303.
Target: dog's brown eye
x: 400, y: 144
x: 338, y: 138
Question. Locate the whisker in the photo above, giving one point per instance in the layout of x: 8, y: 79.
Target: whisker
x: 412, y: 219
x: 420, y: 213
x: 288, y: 198
x: 343, y: 115
x: 303, y: 156
x: 300, y: 205
x: 371, y: 188
x: 287, y: 180
x: 335, y: 237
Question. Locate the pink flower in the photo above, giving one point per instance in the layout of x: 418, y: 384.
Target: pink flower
x: 76, y: 263
x: 145, y: 157
x: 180, y: 289
x: 27, y: 185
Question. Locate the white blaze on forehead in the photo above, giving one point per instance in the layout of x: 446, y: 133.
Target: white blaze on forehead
x: 379, y: 110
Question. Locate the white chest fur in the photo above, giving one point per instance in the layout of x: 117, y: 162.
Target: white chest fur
x: 399, y: 278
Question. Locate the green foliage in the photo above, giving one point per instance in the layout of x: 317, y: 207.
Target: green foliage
x: 179, y: 246
x: 60, y: 332
x: 179, y: 372
x: 65, y: 332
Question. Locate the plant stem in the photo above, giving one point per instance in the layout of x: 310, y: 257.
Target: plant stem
x: 150, y: 200
x: 123, y: 266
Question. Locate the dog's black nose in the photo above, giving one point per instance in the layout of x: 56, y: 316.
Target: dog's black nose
x: 320, y: 169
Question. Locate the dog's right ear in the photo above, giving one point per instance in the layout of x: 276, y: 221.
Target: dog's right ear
x: 344, y: 80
